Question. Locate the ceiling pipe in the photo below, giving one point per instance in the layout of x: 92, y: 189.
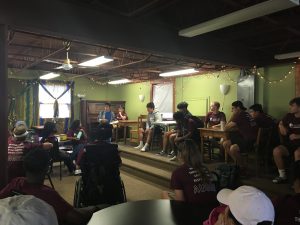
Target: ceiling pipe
x: 252, y: 12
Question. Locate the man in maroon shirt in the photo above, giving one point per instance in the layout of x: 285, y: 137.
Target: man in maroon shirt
x: 289, y: 128
x: 262, y: 119
x: 36, y: 164
x: 214, y: 117
x: 244, y: 135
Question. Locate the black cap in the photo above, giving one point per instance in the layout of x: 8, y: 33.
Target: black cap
x: 239, y: 104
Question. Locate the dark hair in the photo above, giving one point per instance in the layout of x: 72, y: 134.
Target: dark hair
x: 49, y: 128
x: 36, y: 161
x: 103, y: 132
x: 182, y: 105
x: 239, y: 104
x: 295, y: 101
x: 191, y: 155
x: 178, y: 116
x: 256, y: 108
x: 75, y: 125
x: 217, y: 104
x: 108, y: 104
x: 150, y: 105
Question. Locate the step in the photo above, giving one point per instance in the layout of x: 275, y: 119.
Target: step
x: 146, y: 172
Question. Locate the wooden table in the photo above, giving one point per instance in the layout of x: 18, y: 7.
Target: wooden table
x: 125, y: 124
x: 152, y: 212
x: 214, y: 133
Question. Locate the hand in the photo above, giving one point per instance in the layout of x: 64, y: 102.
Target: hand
x: 293, y: 137
x: 47, y: 145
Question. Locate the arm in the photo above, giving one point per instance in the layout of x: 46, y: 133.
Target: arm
x: 179, y: 196
x: 230, y: 126
x: 282, y: 129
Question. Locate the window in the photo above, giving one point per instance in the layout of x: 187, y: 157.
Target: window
x: 47, y: 102
x: 163, y: 99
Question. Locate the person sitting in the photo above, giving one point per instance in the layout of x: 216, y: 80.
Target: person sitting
x: 246, y: 205
x: 192, y: 182
x: 121, y: 113
x: 183, y: 107
x: 214, y: 117
x: 78, y: 137
x: 245, y: 132
x: 153, y: 116
x: 107, y: 114
x: 262, y: 119
x: 26, y: 209
x: 289, y: 128
x: 288, y: 207
x: 48, y: 136
x: 18, y: 147
x: 186, y: 129
x: 36, y: 164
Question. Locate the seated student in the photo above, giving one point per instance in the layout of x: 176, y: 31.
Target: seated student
x: 48, y: 136
x: 36, y: 164
x: 262, y: 119
x: 246, y: 205
x: 288, y: 207
x: 214, y: 117
x: 107, y: 114
x: 153, y: 116
x: 121, y: 113
x: 186, y: 129
x: 78, y: 137
x: 192, y: 182
x: 183, y: 107
x: 26, y: 209
x: 289, y: 127
x: 18, y: 147
x: 245, y: 135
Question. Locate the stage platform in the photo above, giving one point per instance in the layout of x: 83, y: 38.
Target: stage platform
x: 157, y: 170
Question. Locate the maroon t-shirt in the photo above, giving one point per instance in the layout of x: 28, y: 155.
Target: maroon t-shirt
x: 214, y: 119
x: 246, y: 125
x: 43, y: 192
x: 195, y: 190
x: 288, y: 210
x: 292, y: 124
x: 264, y: 120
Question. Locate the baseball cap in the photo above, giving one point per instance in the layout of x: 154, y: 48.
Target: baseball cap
x: 248, y: 205
x: 26, y: 209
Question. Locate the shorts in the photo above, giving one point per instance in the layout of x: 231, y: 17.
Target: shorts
x: 291, y: 147
x: 244, y: 145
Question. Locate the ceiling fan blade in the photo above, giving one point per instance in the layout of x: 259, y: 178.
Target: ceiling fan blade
x: 51, y: 61
x: 58, y: 68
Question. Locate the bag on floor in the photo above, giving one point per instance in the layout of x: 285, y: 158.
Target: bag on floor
x: 227, y: 176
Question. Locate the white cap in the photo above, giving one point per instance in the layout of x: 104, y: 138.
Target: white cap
x: 248, y: 205
x: 26, y: 209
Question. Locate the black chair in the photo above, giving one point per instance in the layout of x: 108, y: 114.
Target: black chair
x: 100, y: 182
x: 55, y: 157
x: 157, y: 138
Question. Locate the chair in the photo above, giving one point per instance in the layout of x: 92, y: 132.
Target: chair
x: 134, y: 133
x: 157, y: 137
x: 54, y: 154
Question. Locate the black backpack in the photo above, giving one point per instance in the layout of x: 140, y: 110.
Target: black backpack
x: 199, y: 123
x: 226, y: 176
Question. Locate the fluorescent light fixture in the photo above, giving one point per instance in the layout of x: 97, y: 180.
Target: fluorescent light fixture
x: 122, y: 81
x: 96, y: 61
x: 287, y: 55
x: 178, y: 72
x: 252, y: 12
x: 49, y: 76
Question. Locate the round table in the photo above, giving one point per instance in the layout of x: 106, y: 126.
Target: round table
x: 152, y: 212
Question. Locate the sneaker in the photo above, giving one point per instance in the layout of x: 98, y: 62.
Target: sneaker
x: 77, y: 172
x: 144, y: 149
x: 138, y: 147
x: 171, y: 154
x: 279, y: 180
x: 162, y: 152
x: 174, y: 158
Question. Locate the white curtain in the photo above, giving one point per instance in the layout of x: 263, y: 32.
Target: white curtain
x: 163, y: 99
x: 46, y: 101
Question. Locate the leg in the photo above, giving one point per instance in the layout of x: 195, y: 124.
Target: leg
x: 165, y: 142
x: 171, y: 141
x: 148, y: 134
x: 226, y: 145
x: 297, y: 154
x: 234, y: 153
x: 278, y: 153
x: 141, y: 135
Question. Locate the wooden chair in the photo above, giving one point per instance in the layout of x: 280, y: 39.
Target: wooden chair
x: 134, y: 132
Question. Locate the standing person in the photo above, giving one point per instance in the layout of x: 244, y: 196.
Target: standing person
x: 192, y: 182
x: 289, y: 128
x: 78, y: 137
x: 48, y: 135
x: 121, y: 113
x: 107, y: 115
x: 246, y: 132
x: 18, y: 147
x: 214, y: 117
x: 153, y: 116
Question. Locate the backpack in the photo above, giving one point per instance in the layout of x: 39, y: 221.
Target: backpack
x: 226, y: 176
x: 199, y: 123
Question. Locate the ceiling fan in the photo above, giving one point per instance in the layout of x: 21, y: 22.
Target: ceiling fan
x: 66, y: 64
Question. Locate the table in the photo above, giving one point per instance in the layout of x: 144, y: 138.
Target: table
x: 166, y: 124
x: 212, y: 132
x: 152, y: 212
x: 125, y: 124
